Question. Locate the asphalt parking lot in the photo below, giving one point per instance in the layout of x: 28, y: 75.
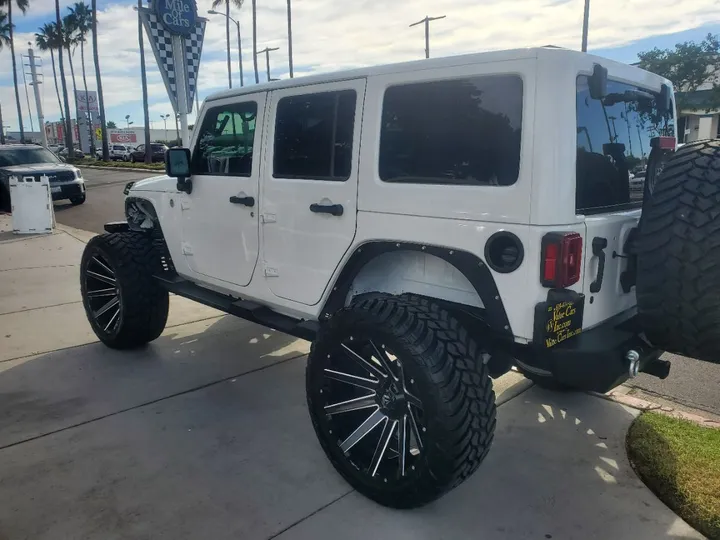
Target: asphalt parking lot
x: 204, y: 433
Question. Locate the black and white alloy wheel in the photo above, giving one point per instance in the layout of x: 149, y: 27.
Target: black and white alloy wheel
x: 400, y: 399
x: 102, y: 293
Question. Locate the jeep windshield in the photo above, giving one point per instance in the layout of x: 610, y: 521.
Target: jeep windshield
x: 614, y: 137
x: 10, y: 157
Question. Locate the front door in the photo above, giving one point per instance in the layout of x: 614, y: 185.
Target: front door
x: 220, y: 216
x: 309, y: 202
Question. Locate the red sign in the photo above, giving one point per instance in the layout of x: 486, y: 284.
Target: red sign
x: 122, y: 136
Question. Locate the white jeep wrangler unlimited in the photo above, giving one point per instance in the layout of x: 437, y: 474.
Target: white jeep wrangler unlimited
x: 427, y: 226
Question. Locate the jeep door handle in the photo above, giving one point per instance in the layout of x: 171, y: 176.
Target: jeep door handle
x: 333, y: 209
x: 247, y: 201
x: 598, y: 248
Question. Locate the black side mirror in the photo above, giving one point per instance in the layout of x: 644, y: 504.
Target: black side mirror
x: 598, y: 82
x: 664, y: 100
x: 177, y: 165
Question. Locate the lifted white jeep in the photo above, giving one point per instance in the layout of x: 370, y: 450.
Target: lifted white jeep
x: 427, y: 226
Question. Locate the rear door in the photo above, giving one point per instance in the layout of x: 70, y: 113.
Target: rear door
x: 310, y: 182
x: 613, y: 145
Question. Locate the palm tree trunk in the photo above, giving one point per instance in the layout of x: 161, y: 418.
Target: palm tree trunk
x: 143, y: 78
x: 101, y: 99
x: 57, y: 89
x: 227, y: 40
x: 15, y: 79
x: 72, y: 74
x: 91, y: 131
x: 68, y: 125
x: 289, y: 16
x: 254, y: 19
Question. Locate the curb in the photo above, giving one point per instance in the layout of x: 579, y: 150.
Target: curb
x: 644, y: 405
x: 132, y: 169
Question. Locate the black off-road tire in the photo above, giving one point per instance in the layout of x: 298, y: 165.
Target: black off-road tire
x: 678, y: 281
x: 446, y: 369
x: 144, y: 304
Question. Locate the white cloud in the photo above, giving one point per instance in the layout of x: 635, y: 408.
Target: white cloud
x: 330, y: 35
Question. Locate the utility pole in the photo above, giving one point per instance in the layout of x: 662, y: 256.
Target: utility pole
x: 27, y: 98
x: 267, y: 51
x: 586, y: 18
x: 427, y: 20
x: 35, y: 83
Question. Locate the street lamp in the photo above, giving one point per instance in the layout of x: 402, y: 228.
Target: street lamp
x: 237, y: 24
x: 127, y: 119
x: 165, y: 117
x: 427, y: 20
x: 267, y: 51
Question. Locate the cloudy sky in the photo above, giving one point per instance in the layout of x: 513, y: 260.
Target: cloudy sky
x: 330, y: 35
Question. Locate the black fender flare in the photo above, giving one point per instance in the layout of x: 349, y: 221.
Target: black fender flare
x: 470, y: 265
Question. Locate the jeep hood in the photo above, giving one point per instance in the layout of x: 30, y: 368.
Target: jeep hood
x: 155, y: 183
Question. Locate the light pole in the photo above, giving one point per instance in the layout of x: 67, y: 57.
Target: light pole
x: 165, y: 117
x: 267, y: 51
x: 586, y: 18
x: 127, y: 119
x: 213, y: 12
x: 427, y: 20
x: 177, y: 130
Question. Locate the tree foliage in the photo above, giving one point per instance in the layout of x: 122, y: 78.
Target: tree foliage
x: 111, y: 125
x: 4, y: 30
x: 689, y: 66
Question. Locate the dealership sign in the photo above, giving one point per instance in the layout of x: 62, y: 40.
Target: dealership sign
x: 122, y: 136
x: 86, y: 101
x: 177, y: 16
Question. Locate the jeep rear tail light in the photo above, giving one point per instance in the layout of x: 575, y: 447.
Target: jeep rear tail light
x: 561, y: 260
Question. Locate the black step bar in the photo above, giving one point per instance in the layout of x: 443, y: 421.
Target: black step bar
x: 245, y: 309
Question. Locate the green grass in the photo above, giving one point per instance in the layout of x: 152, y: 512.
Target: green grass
x: 118, y: 164
x: 680, y: 462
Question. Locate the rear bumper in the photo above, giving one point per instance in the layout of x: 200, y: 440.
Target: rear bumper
x: 595, y: 360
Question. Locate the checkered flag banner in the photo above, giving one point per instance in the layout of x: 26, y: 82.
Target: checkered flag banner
x: 193, y: 51
x: 161, y: 42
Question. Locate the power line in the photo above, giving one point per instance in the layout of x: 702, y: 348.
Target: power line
x: 427, y: 20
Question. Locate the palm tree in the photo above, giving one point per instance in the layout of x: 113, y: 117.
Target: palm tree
x: 4, y: 41
x: 68, y: 124
x: 82, y: 21
x: 48, y: 39
x: 254, y: 17
x: 98, y: 80
x: 70, y: 43
x: 22, y: 6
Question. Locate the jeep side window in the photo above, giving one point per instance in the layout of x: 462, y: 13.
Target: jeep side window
x: 225, y: 144
x: 461, y: 131
x: 314, y: 136
x: 613, y: 145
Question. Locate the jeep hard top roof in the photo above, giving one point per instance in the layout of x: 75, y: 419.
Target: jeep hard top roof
x: 550, y: 52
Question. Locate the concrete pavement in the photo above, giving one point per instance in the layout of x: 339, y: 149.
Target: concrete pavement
x: 204, y: 433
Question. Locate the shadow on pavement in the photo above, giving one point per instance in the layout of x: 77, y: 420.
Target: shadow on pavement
x: 53, y: 391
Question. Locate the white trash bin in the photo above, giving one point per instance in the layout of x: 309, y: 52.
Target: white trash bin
x: 32, y: 208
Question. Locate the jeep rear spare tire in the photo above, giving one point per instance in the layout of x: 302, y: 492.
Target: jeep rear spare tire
x: 678, y: 280
x: 400, y: 399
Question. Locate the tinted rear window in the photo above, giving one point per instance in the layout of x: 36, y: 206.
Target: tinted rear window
x: 461, y: 131
x: 613, y: 145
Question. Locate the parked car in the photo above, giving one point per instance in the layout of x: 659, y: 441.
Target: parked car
x: 118, y: 152
x: 66, y: 181
x: 157, y: 151
x: 63, y: 152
